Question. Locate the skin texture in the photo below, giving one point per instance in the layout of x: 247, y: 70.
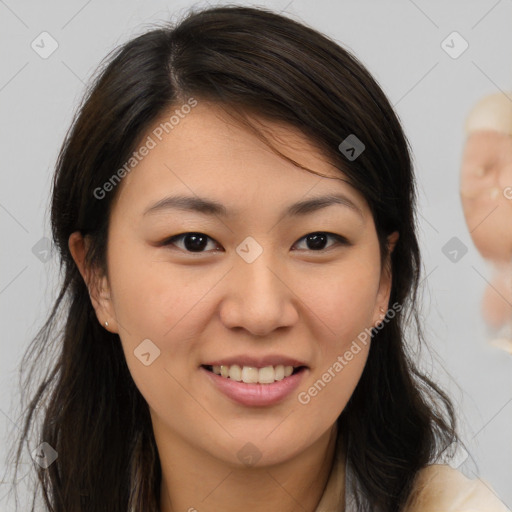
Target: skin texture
x: 295, y: 301
x: 486, y: 194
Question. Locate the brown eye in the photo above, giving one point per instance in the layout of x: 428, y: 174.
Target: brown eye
x: 192, y: 242
x: 317, y: 241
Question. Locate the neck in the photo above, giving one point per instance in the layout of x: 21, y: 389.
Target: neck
x: 194, y: 481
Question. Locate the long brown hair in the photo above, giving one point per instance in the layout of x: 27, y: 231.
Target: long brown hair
x: 252, y: 61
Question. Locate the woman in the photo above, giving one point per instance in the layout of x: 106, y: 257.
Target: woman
x: 234, y: 209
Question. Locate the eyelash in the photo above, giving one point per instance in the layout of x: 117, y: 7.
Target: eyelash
x: 340, y: 240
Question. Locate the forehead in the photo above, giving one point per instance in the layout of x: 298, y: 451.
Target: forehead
x: 208, y: 153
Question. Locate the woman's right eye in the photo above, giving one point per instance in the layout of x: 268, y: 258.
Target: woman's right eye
x: 192, y: 242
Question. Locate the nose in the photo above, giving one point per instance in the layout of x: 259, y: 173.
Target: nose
x: 259, y: 297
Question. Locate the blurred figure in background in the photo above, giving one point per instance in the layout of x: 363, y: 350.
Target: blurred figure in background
x: 486, y: 194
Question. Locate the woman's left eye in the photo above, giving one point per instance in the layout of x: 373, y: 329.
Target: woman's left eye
x: 196, y: 242
x: 318, y: 239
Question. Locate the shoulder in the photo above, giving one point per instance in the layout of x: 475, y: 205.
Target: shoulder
x: 440, y: 487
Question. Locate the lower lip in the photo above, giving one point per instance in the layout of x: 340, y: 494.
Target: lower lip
x: 256, y: 395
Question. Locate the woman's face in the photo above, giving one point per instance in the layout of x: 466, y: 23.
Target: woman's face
x: 250, y: 291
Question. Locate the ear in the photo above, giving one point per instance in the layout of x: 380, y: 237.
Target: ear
x: 96, y: 282
x: 386, y: 280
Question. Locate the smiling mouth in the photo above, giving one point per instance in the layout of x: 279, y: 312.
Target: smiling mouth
x: 253, y: 375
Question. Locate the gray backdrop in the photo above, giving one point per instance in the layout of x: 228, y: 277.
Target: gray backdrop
x: 401, y: 44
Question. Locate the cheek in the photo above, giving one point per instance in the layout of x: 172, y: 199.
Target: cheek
x: 342, y: 299
x: 343, y: 306
x: 326, y: 393
x: 151, y: 295
x: 154, y: 302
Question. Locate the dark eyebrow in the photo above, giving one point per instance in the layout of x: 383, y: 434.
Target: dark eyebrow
x: 211, y: 207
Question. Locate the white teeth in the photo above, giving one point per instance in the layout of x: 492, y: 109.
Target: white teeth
x: 250, y: 375
x: 235, y: 372
x: 265, y: 375
x: 253, y: 375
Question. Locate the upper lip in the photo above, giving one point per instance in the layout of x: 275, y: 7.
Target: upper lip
x: 256, y: 362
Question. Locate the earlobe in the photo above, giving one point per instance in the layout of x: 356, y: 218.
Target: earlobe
x: 386, y: 279
x: 392, y: 240
x: 97, y: 284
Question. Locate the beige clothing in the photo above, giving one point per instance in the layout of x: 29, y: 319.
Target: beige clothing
x: 438, y: 488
